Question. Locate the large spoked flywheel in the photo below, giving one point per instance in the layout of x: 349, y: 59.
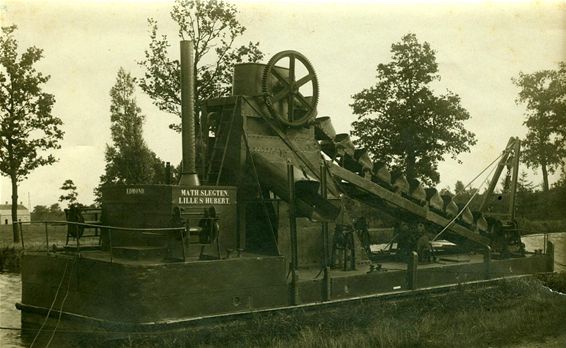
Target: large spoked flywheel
x: 290, y: 98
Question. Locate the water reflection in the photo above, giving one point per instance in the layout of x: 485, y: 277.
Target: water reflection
x: 10, y: 291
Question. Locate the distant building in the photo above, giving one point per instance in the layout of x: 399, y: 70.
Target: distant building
x: 6, y: 214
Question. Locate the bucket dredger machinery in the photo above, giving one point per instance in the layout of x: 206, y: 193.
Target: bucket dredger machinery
x: 273, y: 209
x: 269, y: 132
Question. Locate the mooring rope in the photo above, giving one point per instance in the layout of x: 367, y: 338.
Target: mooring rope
x: 51, y: 307
x: 62, y: 304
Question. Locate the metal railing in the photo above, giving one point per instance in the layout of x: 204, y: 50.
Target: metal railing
x: 105, y: 230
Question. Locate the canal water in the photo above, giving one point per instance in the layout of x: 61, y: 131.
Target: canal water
x: 536, y: 241
x: 10, y: 292
x: 10, y: 288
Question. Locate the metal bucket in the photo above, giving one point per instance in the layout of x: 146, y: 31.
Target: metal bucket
x: 323, y: 128
x: 400, y: 184
x: 435, y: 202
x: 450, y: 207
x: 344, y: 145
x: 381, y: 174
x: 480, y: 221
x: 362, y: 157
x: 328, y: 147
x: 360, y: 163
x: 417, y: 191
x: 466, y: 216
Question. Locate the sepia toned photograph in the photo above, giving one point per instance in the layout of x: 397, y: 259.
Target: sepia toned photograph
x: 287, y: 173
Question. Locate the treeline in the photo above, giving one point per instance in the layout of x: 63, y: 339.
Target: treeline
x: 45, y: 213
x: 532, y: 205
x: 536, y: 211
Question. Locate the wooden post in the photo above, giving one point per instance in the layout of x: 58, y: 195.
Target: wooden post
x: 412, y: 271
x: 326, y: 289
x: 183, y: 244
x: 110, y: 242
x: 293, y: 232
x: 550, y: 254
x: 514, y: 177
x: 327, y: 295
x: 487, y: 263
x: 77, y: 237
x: 22, y: 236
x: 46, y: 237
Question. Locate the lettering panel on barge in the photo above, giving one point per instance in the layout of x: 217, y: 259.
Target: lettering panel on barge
x: 207, y: 196
x: 194, y: 200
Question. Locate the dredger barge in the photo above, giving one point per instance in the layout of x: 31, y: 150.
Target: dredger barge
x: 273, y: 209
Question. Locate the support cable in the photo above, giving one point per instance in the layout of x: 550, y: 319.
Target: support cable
x: 461, y: 211
x: 489, y: 165
x: 466, y: 205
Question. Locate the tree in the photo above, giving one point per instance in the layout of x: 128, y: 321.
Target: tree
x: 459, y: 187
x: 39, y: 213
x: 524, y: 185
x: 128, y: 159
x: 55, y: 208
x: 28, y: 130
x: 445, y: 191
x: 213, y: 28
x: 561, y: 183
x: 40, y: 209
x: 544, y: 94
x: 44, y: 213
x: 70, y: 193
x: 402, y: 122
x: 463, y: 194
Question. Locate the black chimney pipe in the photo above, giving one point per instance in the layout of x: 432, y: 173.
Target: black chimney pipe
x: 189, y: 175
x: 167, y: 173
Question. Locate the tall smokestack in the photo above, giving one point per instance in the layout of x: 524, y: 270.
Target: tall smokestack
x: 188, y: 174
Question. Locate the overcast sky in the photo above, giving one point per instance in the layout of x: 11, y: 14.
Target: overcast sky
x: 480, y: 46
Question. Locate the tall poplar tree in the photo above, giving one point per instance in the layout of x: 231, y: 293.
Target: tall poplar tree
x: 128, y: 159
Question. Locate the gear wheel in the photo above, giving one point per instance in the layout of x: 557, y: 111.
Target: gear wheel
x: 286, y: 90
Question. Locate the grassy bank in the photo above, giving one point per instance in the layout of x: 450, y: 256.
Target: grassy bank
x: 11, y: 254
x: 513, y: 312
x: 555, y: 281
x: 33, y: 239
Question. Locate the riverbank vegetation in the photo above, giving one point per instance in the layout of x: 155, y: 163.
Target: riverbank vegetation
x: 32, y: 239
x: 512, y: 312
